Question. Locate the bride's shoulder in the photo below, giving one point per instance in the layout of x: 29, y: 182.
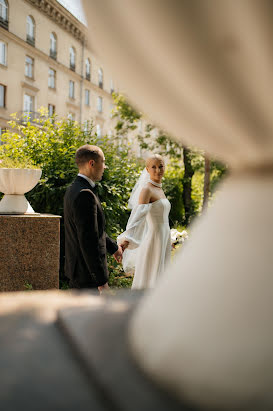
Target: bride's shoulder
x: 145, y: 195
x: 146, y: 189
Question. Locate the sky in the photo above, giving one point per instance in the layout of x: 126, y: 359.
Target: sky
x: 75, y: 8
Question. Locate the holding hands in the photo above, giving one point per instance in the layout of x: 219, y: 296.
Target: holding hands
x: 124, y: 245
x: 118, y: 254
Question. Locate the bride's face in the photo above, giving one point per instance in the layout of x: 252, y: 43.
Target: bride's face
x: 156, y: 169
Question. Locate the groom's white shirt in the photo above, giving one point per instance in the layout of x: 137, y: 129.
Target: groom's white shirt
x: 91, y: 182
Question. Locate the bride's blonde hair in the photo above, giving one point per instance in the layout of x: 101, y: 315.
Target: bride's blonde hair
x: 154, y: 157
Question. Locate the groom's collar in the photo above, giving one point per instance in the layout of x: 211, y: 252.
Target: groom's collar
x: 91, y: 182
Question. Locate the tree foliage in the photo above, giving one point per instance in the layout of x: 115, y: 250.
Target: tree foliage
x: 185, y: 163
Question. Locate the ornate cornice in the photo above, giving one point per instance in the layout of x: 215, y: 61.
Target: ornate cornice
x: 61, y: 16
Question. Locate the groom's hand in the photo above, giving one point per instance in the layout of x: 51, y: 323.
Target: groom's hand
x: 118, y: 254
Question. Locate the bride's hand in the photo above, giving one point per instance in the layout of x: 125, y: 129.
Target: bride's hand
x: 124, y: 245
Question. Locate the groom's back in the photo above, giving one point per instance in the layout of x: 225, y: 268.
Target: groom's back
x: 71, y: 239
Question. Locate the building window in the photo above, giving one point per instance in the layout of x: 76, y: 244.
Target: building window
x: 3, y: 95
x: 111, y: 86
x: 85, y: 126
x: 87, y: 69
x: 87, y: 98
x: 30, y: 31
x: 71, y: 89
x: 29, y: 64
x: 4, y: 14
x: 100, y: 78
x: 111, y: 109
x: 72, y: 58
x: 98, y: 131
x: 99, y: 104
x: 29, y: 105
x: 51, y: 78
x: 53, y: 46
x: 2, y: 131
x: 71, y: 116
x: 51, y: 110
x: 3, y: 53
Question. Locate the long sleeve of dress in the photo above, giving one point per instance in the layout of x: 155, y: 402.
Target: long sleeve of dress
x: 134, y: 234
x: 135, y: 228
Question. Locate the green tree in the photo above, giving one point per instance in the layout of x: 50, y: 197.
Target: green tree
x: 156, y: 140
x: 127, y: 117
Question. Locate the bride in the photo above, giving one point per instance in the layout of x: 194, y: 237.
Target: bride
x: 147, y: 241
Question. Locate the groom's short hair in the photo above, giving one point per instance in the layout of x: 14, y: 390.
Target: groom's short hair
x: 86, y: 153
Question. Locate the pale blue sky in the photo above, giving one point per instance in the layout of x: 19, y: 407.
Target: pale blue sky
x: 75, y: 8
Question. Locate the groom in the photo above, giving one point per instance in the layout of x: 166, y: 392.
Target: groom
x: 86, y: 241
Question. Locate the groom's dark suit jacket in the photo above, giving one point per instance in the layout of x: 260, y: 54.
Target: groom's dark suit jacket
x: 86, y: 241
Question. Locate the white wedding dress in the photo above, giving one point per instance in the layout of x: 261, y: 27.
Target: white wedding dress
x: 149, y: 250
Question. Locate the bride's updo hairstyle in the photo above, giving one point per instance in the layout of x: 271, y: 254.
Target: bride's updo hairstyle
x: 154, y: 157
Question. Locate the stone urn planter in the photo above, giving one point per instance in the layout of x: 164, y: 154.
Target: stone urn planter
x: 14, y: 183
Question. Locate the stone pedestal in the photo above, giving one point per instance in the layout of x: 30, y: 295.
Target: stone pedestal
x: 29, y: 252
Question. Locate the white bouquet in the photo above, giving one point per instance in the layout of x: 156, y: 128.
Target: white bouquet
x: 178, y: 237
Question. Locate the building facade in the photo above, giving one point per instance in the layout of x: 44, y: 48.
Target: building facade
x: 45, y: 61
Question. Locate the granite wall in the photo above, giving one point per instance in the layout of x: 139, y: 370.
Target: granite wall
x: 29, y: 252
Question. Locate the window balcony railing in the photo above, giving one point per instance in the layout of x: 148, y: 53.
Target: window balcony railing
x: 100, y: 84
x: 24, y: 116
x: 31, y: 40
x: 72, y: 66
x: 87, y: 76
x: 53, y: 54
x: 4, y: 23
